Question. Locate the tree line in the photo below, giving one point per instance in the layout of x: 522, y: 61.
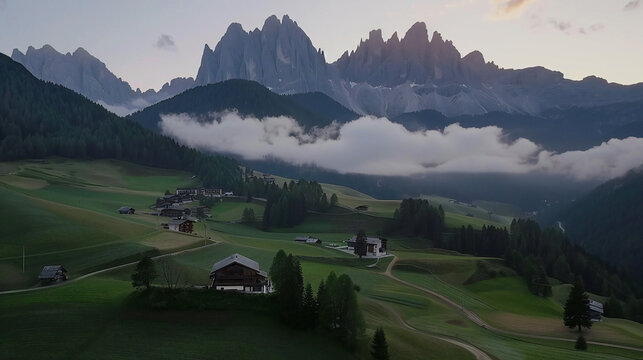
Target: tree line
x: 288, y: 206
x: 418, y: 218
x: 333, y: 311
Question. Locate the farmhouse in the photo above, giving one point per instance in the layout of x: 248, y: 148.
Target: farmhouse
x: 307, y: 240
x: 181, y: 225
x: 375, y: 246
x: 175, y: 211
x: 209, y: 192
x: 238, y: 273
x: 126, y: 210
x: 187, y: 191
x: 51, y: 274
x: 595, y: 310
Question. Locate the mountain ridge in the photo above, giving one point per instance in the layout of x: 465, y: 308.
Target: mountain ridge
x: 381, y: 78
x: 82, y: 72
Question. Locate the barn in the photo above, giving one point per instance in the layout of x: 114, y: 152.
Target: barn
x: 52, y: 274
x: 241, y: 274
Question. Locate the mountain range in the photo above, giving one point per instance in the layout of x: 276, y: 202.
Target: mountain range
x: 87, y: 75
x: 382, y: 78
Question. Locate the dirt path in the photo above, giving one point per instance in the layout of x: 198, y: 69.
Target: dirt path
x: 478, y: 321
x: 104, y: 271
x: 479, y: 354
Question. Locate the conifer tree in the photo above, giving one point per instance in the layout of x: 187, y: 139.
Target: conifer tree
x: 379, y: 347
x: 577, y: 308
x: 145, y: 273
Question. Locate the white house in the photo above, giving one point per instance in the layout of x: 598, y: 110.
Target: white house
x: 375, y: 247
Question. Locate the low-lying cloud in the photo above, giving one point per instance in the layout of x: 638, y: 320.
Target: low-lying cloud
x: 377, y: 146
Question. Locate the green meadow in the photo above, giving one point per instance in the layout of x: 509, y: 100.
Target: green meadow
x: 64, y: 212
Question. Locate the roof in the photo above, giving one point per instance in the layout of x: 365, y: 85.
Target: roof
x: 125, y: 208
x: 178, y: 221
x: 369, y: 240
x: 239, y: 259
x: 596, y: 306
x: 180, y: 208
x: 50, y: 271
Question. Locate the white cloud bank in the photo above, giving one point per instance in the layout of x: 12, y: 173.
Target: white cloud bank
x: 377, y: 146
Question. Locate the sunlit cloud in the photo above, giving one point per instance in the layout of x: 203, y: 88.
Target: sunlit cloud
x: 377, y: 146
x: 509, y: 8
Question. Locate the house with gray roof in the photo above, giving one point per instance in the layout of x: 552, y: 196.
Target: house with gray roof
x: 241, y: 274
x: 52, y: 274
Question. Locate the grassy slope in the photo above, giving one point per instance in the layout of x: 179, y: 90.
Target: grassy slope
x: 65, y: 212
x: 504, y: 302
x: 456, y: 215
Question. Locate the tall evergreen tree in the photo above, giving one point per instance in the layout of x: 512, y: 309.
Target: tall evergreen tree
x: 577, y: 308
x: 361, y: 243
x: 379, y: 347
x: 309, y: 311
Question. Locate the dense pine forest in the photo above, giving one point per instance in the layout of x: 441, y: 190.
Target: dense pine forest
x: 40, y: 119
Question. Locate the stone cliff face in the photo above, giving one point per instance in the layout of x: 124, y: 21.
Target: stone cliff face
x: 383, y: 78
x: 279, y: 55
x: 87, y: 75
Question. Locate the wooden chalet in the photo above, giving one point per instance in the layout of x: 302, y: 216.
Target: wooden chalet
x: 238, y: 273
x: 52, y: 274
x: 181, y: 225
x: 595, y: 311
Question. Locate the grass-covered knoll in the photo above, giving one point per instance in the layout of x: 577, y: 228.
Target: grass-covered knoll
x: 503, y: 301
x: 231, y: 209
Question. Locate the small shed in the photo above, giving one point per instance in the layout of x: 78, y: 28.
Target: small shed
x: 126, y: 210
x: 307, y: 240
x: 52, y: 274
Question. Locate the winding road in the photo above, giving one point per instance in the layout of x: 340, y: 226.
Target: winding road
x: 478, y: 321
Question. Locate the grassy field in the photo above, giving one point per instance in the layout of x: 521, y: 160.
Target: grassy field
x: 457, y: 215
x: 74, y: 205
x: 65, y: 212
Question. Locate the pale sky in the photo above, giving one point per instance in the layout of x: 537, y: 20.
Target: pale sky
x: 150, y: 42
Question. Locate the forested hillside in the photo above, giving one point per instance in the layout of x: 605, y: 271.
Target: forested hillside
x: 608, y: 222
x: 40, y: 119
x: 247, y: 97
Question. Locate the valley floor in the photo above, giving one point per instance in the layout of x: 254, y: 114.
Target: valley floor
x: 64, y: 212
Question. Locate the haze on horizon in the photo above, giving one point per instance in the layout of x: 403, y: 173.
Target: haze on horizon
x: 150, y: 42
